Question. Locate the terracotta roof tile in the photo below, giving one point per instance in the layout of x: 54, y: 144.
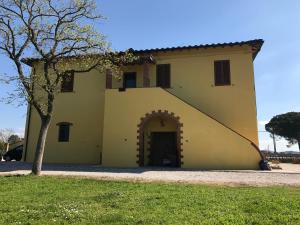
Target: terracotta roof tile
x: 255, y: 44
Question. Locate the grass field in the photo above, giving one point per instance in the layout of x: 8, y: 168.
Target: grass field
x: 54, y: 200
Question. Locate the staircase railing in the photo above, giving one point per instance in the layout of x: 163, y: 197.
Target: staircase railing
x: 224, y: 125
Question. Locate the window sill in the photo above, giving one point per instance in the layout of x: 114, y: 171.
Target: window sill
x: 223, y: 85
x: 66, y: 92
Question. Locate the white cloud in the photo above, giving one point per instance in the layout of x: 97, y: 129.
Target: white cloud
x: 263, y: 122
x: 261, y: 125
x: 20, y: 131
x: 266, y: 143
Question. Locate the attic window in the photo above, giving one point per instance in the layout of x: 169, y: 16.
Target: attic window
x: 67, y: 83
x: 222, y: 73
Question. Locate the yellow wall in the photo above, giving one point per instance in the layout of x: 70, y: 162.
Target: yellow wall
x: 83, y: 108
x: 192, y: 79
x: 206, y: 143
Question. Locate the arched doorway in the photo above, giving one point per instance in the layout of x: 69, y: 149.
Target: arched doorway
x: 159, y: 140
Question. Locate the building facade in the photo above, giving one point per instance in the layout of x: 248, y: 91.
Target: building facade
x: 189, y: 107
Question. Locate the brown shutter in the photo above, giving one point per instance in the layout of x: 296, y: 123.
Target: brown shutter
x: 163, y: 75
x: 108, y: 79
x: 218, y: 73
x: 167, y: 76
x: 146, y: 75
x: 158, y: 75
x: 222, y: 72
x: 226, y: 72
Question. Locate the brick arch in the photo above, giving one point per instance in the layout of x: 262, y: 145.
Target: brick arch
x: 140, y: 133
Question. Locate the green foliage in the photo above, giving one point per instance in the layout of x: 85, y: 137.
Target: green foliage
x: 5, y: 134
x: 56, y: 38
x: 53, y: 200
x: 287, y: 126
x: 2, y: 145
x: 2, y: 148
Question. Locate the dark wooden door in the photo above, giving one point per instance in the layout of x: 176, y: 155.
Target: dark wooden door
x: 163, y: 149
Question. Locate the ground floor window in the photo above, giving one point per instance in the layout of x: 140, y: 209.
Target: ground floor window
x: 64, y: 131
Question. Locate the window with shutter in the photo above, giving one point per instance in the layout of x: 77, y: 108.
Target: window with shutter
x: 129, y: 80
x: 63, y: 131
x: 67, y: 83
x: 222, y: 73
x: 163, y: 75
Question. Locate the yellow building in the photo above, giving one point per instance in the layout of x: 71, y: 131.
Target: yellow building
x: 189, y: 107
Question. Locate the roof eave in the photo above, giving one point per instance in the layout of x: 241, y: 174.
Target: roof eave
x: 254, y: 44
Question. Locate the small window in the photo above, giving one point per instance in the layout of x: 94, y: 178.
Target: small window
x: 163, y: 75
x: 64, y: 131
x: 67, y: 83
x: 129, y: 80
x: 222, y: 73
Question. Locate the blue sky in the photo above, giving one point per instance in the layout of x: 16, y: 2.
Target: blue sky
x: 141, y: 24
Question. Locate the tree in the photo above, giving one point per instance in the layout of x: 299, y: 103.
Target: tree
x: 5, y: 134
x: 287, y: 126
x: 272, y: 135
x: 2, y: 145
x: 61, y: 36
x: 14, y: 139
x: 2, y: 151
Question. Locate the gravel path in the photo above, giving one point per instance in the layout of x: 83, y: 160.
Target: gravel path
x: 232, y: 178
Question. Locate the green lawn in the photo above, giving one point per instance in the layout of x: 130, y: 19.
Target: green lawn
x: 53, y: 200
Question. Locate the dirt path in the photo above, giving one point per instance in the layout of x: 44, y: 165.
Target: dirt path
x: 234, y: 178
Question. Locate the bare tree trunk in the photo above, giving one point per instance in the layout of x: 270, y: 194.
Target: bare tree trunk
x: 274, y: 143
x: 7, y: 147
x: 299, y: 144
x: 39, y: 152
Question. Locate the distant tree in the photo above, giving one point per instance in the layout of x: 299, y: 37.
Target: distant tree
x: 61, y: 35
x: 14, y: 139
x: 287, y: 126
x: 274, y: 138
x: 2, y: 151
x: 5, y: 134
x: 2, y: 147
